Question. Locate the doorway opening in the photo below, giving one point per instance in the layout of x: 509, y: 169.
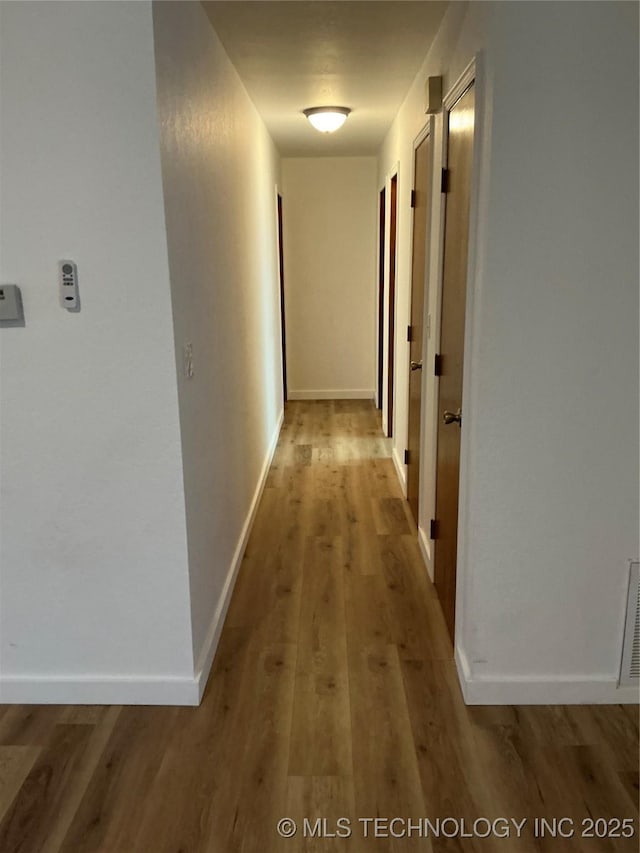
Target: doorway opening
x: 391, y: 300
x: 282, y: 315
x: 381, y: 224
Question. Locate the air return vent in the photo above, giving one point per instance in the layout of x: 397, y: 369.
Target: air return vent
x: 630, y: 669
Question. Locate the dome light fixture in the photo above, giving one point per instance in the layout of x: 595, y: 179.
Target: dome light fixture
x: 327, y: 119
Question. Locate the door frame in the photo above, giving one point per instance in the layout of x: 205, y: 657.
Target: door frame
x: 428, y: 129
x: 280, y: 266
x: 473, y: 73
x: 393, y: 173
x: 380, y: 293
x: 392, y: 303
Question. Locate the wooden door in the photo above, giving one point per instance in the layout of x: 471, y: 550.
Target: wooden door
x: 421, y: 202
x: 282, y: 317
x: 381, y: 216
x: 454, y: 289
x: 391, y: 300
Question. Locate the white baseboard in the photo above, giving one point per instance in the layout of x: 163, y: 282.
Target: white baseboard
x: 100, y: 690
x: 425, y: 549
x: 401, y: 471
x: 140, y: 689
x: 540, y: 691
x: 333, y: 394
x: 206, y: 656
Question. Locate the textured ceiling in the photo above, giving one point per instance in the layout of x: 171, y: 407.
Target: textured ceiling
x: 297, y: 54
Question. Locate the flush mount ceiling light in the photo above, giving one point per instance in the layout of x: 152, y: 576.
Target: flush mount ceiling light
x: 327, y: 119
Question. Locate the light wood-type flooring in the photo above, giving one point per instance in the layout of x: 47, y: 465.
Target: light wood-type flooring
x: 333, y: 694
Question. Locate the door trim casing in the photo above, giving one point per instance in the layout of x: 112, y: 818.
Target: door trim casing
x: 473, y: 73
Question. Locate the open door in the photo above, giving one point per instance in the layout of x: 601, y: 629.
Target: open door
x: 449, y: 363
x: 381, y: 223
x: 391, y: 301
x: 421, y: 202
x: 282, y: 319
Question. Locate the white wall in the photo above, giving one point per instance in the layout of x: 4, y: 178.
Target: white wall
x: 93, y: 584
x: 549, y: 501
x: 220, y: 170
x: 329, y: 206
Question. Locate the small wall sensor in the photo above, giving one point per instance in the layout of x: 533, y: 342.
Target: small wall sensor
x: 68, y: 285
x: 433, y: 95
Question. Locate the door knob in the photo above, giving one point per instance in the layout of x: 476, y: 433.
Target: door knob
x: 453, y: 417
x: 416, y: 365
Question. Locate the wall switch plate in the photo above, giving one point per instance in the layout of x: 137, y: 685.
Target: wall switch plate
x: 11, y: 310
x: 68, y: 285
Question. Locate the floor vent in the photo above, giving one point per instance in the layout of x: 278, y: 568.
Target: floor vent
x: 630, y: 669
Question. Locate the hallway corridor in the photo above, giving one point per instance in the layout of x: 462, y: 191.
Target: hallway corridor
x: 333, y: 694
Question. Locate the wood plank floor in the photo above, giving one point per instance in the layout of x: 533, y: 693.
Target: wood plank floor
x: 333, y: 694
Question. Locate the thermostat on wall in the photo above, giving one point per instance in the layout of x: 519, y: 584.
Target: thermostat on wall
x: 68, y: 284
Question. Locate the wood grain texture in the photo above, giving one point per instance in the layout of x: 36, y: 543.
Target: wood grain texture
x: 452, y: 325
x: 419, y: 263
x: 333, y: 694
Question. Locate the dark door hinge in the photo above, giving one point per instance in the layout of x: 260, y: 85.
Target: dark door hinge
x: 409, y: 335
x: 433, y: 529
x: 413, y: 198
x: 406, y: 457
x: 437, y: 365
x: 444, y: 181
